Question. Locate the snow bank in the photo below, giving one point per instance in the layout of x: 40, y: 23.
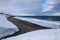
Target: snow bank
x: 45, y: 23
x: 6, y: 27
x: 48, y: 34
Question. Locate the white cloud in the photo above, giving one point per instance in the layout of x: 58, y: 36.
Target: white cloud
x: 48, y: 6
x: 17, y: 6
x: 25, y: 7
x: 56, y: 14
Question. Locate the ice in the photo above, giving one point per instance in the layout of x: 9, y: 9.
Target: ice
x: 48, y: 34
x: 6, y: 27
x: 45, y: 23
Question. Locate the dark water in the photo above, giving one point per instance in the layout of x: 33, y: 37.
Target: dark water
x: 52, y: 18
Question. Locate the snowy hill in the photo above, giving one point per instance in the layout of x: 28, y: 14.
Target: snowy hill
x: 6, y: 27
x: 45, y: 23
x: 49, y: 34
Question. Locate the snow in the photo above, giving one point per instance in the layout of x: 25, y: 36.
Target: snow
x: 45, y: 23
x: 47, y: 34
x: 6, y: 27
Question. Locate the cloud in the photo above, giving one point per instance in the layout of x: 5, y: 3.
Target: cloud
x: 55, y: 10
x: 30, y: 7
x: 56, y: 1
x: 48, y: 5
x: 56, y: 14
x: 19, y: 6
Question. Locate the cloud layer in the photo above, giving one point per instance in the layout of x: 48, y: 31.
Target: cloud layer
x: 30, y: 7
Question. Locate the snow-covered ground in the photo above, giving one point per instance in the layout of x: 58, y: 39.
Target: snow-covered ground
x: 6, y: 27
x: 48, y: 34
x: 45, y: 23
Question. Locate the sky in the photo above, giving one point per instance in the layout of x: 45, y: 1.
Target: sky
x: 30, y: 7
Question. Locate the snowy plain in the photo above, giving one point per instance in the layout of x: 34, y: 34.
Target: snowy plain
x: 6, y: 27
x: 47, y: 34
x: 51, y: 24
